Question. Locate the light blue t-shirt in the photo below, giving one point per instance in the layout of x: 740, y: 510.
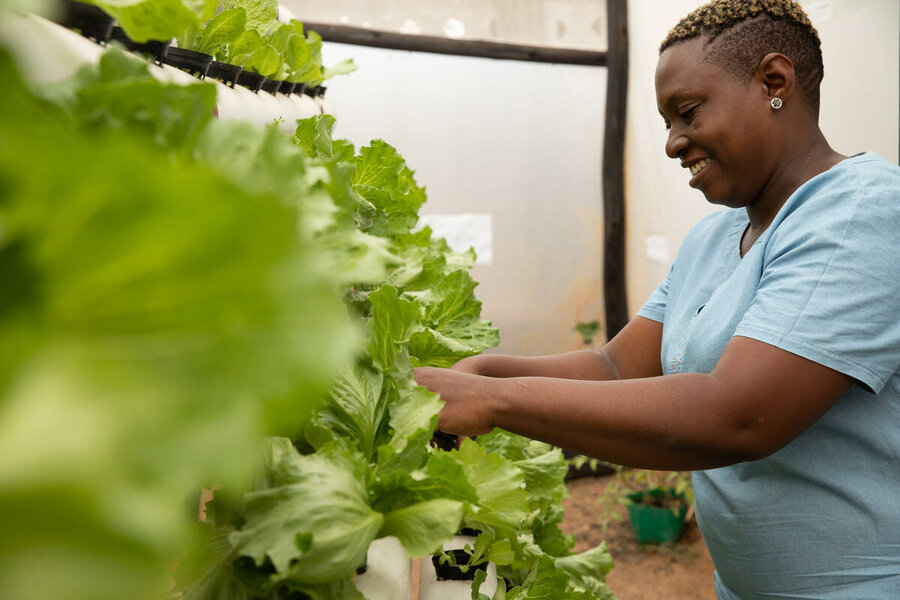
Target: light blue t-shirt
x: 820, y: 518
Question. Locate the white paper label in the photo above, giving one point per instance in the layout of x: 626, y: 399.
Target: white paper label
x: 657, y: 247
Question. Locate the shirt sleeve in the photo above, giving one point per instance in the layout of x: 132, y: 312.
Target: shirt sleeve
x: 655, y: 306
x: 829, y: 286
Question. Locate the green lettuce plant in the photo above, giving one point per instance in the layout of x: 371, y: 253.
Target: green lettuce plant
x: 199, y: 302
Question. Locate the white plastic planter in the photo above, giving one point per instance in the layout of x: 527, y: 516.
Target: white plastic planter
x: 45, y: 51
x: 308, y: 106
x: 432, y: 589
x: 290, y: 112
x: 326, y: 106
x: 388, y: 571
x: 320, y: 105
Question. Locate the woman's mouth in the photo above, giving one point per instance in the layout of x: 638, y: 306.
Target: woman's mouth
x: 698, y: 166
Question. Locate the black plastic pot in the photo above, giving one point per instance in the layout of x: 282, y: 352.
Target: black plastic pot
x: 87, y: 19
x: 299, y: 88
x: 195, y: 63
x: 227, y: 74
x: 271, y: 86
x: 287, y: 87
x: 321, y: 91
x: 448, y: 572
x: 310, y: 90
x: 250, y: 80
x: 444, y: 441
x: 152, y: 50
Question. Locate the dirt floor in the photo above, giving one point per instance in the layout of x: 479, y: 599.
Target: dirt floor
x: 681, y: 571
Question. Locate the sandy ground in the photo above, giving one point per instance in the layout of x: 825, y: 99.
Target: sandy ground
x: 682, y: 571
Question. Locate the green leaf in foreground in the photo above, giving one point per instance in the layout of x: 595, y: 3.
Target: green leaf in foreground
x: 120, y: 94
x: 163, y: 321
x: 423, y: 527
x: 313, y: 521
x: 502, y: 500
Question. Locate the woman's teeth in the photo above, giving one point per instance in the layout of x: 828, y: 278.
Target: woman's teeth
x: 698, y: 166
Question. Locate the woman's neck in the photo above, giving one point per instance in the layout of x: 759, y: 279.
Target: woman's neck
x: 803, y: 160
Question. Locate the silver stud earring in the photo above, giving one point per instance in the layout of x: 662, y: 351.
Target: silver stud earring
x: 777, y: 103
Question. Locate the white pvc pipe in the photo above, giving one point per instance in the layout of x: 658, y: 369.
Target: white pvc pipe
x: 308, y: 106
x: 326, y: 106
x: 46, y: 52
x: 388, y: 571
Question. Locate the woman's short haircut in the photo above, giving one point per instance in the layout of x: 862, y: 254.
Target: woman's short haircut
x: 738, y: 34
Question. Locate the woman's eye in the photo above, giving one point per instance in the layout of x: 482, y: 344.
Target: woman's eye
x: 688, y: 115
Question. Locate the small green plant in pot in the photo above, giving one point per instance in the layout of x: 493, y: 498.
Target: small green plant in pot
x: 657, y: 502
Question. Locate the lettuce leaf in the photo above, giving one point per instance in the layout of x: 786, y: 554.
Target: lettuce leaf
x: 383, y: 179
x: 145, y: 20
x: 424, y: 526
x: 219, y: 31
x: 312, y: 521
x: 161, y: 321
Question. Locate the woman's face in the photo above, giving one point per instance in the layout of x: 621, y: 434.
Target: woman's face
x: 719, y: 126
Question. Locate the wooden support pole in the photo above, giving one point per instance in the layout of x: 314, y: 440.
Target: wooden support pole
x: 613, y: 170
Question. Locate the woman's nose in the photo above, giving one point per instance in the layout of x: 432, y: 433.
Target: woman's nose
x: 676, y: 143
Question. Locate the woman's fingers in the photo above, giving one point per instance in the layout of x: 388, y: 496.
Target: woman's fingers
x: 464, y: 396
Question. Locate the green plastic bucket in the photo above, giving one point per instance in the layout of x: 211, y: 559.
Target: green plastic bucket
x: 655, y: 525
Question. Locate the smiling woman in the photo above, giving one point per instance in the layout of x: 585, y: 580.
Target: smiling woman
x: 768, y: 360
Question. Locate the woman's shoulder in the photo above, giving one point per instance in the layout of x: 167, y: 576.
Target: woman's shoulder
x: 862, y: 187
x: 868, y: 172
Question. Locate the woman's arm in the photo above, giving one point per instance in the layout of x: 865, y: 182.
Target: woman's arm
x: 634, y: 352
x: 756, y: 400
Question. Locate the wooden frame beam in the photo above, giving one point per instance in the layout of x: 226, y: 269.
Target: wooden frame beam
x: 359, y: 36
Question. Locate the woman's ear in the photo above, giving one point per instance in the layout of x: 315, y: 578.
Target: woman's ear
x: 776, y: 73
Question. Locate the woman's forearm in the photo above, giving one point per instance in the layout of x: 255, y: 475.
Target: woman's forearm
x: 580, y: 364
x: 755, y: 401
x: 651, y: 423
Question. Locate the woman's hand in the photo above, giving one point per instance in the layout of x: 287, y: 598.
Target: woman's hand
x: 468, y: 399
x: 470, y: 364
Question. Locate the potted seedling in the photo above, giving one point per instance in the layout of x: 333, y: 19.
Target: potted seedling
x: 657, y: 502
